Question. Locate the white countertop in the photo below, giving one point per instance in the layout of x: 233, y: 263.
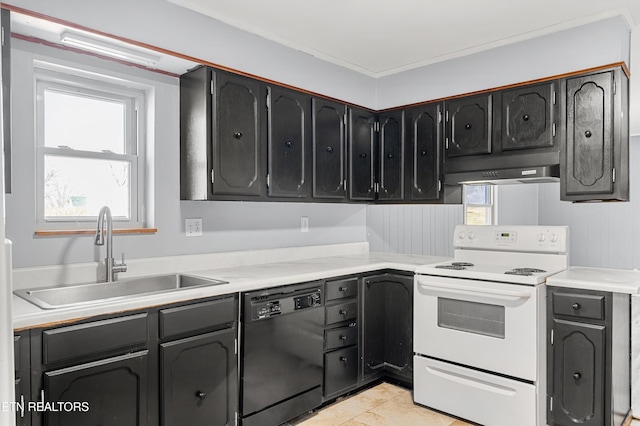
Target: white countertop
x: 240, y: 278
x: 613, y: 280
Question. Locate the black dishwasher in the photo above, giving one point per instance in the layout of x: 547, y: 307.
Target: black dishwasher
x: 281, y: 353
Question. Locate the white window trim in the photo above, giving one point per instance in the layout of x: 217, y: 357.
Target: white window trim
x: 66, y: 79
x: 493, y: 205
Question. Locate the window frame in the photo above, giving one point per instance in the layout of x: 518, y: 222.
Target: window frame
x: 492, y: 205
x: 93, y: 86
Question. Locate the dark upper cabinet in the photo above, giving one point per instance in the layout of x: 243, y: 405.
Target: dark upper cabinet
x: 199, y: 384
x: 595, y: 161
x: 469, y: 125
x: 328, y: 136
x: 391, y: 136
x: 222, y: 133
x: 425, y: 141
x: 362, y: 141
x: 238, y: 135
x: 5, y: 18
x: 529, y: 117
x: 289, y: 144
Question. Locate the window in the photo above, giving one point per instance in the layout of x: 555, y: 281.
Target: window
x: 89, y: 150
x: 479, y: 205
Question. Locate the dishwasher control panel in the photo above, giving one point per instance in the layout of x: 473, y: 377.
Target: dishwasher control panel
x: 264, y: 307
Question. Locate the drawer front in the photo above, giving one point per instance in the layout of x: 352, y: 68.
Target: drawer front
x: 94, y: 338
x: 339, y: 337
x: 341, y: 312
x: 197, y: 317
x: 579, y: 305
x: 341, y: 289
x: 340, y: 369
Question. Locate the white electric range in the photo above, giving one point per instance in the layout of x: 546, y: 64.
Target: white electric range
x: 479, y: 324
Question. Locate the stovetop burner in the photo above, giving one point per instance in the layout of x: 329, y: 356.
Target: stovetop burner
x: 457, y: 266
x: 525, y: 271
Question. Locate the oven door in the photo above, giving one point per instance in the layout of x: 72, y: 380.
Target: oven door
x: 482, y: 324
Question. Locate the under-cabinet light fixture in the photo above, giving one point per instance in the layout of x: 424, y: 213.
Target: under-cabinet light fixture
x: 108, y: 49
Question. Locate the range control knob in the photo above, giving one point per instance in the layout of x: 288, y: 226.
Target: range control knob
x: 541, y: 237
x: 554, y: 238
x: 471, y: 235
x: 461, y: 235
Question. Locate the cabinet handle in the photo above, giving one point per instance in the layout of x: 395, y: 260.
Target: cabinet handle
x: 343, y: 312
x: 237, y: 135
x: 201, y: 395
x: 588, y: 133
x: 577, y: 375
x: 389, y: 156
x: 467, y: 126
x: 344, y: 359
x: 525, y: 117
x: 329, y: 149
x: 423, y: 153
x: 343, y: 338
x: 344, y: 288
x: 576, y: 306
x: 289, y: 144
x: 363, y: 155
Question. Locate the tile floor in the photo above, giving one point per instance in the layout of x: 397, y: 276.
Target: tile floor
x: 381, y: 405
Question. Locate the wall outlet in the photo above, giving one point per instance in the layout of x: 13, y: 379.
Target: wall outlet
x: 193, y: 227
x: 304, y: 224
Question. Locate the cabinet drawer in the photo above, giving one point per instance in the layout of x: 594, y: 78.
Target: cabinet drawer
x: 341, y: 288
x: 579, y: 305
x: 94, y: 338
x: 341, y: 312
x: 197, y: 317
x: 340, y: 369
x: 339, y: 337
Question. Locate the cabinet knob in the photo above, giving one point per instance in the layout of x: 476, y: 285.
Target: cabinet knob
x: 344, y: 359
x: 576, y: 306
x: 389, y: 156
x: 525, y: 117
x: 467, y: 126
x: 329, y: 149
x: 201, y: 395
x: 343, y: 338
x: 577, y: 375
x: 588, y: 133
x: 237, y: 135
x: 344, y: 288
x: 363, y: 155
x: 343, y: 312
x: 289, y: 144
x: 423, y: 153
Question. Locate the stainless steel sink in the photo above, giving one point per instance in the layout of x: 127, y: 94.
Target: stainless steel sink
x: 85, y: 294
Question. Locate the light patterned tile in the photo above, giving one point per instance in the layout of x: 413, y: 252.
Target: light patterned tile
x: 401, y: 410
x: 368, y: 419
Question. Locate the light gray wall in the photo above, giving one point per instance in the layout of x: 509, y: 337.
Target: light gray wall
x: 227, y: 225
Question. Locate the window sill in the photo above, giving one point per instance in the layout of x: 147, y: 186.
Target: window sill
x: 54, y: 232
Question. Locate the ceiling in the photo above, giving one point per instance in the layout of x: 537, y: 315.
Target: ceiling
x: 379, y: 38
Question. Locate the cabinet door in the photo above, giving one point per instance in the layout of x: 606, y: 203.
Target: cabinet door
x: 237, y: 135
x: 362, y: 154
x: 114, y: 390
x: 340, y: 369
x: 387, y: 326
x: 528, y: 117
x: 328, y: 149
x: 588, y: 162
x: 198, y: 384
x: 288, y: 143
x: 578, y: 374
x: 469, y: 122
x: 392, y: 137
x: 426, y: 137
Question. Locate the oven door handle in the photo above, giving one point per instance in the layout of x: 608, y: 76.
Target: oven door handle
x: 471, y: 381
x: 476, y: 291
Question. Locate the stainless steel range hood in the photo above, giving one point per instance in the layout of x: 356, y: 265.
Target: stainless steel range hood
x: 538, y: 174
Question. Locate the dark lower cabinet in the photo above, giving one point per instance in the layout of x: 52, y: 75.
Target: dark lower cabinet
x: 340, y: 369
x: 199, y: 384
x: 22, y: 362
x: 387, y: 327
x: 588, y: 357
x: 112, y: 392
x: 595, y: 162
x: 329, y: 157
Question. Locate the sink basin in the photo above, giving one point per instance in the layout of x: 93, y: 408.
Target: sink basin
x: 84, y: 294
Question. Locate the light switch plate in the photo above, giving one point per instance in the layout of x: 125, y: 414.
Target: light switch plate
x: 193, y: 227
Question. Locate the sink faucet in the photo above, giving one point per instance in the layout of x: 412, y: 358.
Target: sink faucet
x: 111, y: 265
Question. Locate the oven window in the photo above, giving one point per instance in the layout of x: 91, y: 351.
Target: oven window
x: 471, y: 317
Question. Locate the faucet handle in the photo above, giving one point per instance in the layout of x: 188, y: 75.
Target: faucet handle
x: 120, y: 267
